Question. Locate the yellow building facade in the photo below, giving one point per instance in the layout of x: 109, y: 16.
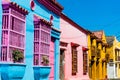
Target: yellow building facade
x: 113, y: 51
x: 97, y: 55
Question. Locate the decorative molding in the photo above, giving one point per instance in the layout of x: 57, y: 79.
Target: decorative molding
x: 52, y: 5
x: 16, y: 7
x: 63, y: 44
x: 85, y: 49
x: 46, y: 22
x: 39, y: 19
x: 56, y: 30
x: 32, y: 5
x: 74, y: 44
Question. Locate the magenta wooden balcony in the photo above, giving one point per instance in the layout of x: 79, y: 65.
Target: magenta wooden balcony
x: 12, y: 71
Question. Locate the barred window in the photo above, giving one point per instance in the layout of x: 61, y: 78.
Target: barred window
x: 74, y: 60
x: 85, y: 66
x: 41, y: 42
x: 13, y: 31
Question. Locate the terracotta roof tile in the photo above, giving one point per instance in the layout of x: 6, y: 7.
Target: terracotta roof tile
x: 38, y: 18
x: 18, y: 7
x: 92, y: 35
x: 15, y: 6
x: 46, y: 22
x: 98, y: 34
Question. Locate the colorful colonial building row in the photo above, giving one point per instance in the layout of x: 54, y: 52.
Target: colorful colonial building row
x: 39, y: 42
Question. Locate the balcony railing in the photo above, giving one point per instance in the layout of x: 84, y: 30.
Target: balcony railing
x: 118, y: 58
x: 93, y: 51
x: 98, y: 55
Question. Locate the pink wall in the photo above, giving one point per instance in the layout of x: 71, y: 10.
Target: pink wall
x: 69, y: 34
x: 51, y: 77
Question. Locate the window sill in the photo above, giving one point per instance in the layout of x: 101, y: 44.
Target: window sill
x: 12, y: 71
x: 41, y: 72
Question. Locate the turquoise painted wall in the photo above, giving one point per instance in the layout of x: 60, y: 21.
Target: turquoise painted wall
x: 57, y: 54
x: 41, y: 11
x: 29, y: 47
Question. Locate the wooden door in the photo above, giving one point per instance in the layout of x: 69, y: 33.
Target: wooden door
x: 62, y: 64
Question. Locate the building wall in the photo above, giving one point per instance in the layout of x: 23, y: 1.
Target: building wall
x: 118, y: 66
x: 44, y: 13
x: 114, y: 72
x: 71, y: 34
x: 89, y: 56
x: 92, y: 67
x: 97, y: 66
x: 111, y: 69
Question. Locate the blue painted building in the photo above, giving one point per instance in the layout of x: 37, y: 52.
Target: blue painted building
x: 0, y: 18
x: 39, y: 18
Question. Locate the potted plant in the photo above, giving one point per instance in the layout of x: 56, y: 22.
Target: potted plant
x: 17, y: 56
x: 42, y: 72
x: 11, y: 71
x: 45, y: 61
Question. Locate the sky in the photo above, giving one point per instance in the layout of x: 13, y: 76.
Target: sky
x: 95, y: 14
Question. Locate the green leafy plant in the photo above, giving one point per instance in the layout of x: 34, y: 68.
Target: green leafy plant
x: 45, y: 60
x: 17, y: 56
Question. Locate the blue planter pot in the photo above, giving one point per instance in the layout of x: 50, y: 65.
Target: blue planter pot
x: 12, y: 71
x: 41, y: 73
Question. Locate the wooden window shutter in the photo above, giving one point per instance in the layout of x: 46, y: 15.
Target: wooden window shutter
x: 74, y: 61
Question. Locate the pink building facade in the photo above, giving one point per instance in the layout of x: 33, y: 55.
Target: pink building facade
x: 73, y: 51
